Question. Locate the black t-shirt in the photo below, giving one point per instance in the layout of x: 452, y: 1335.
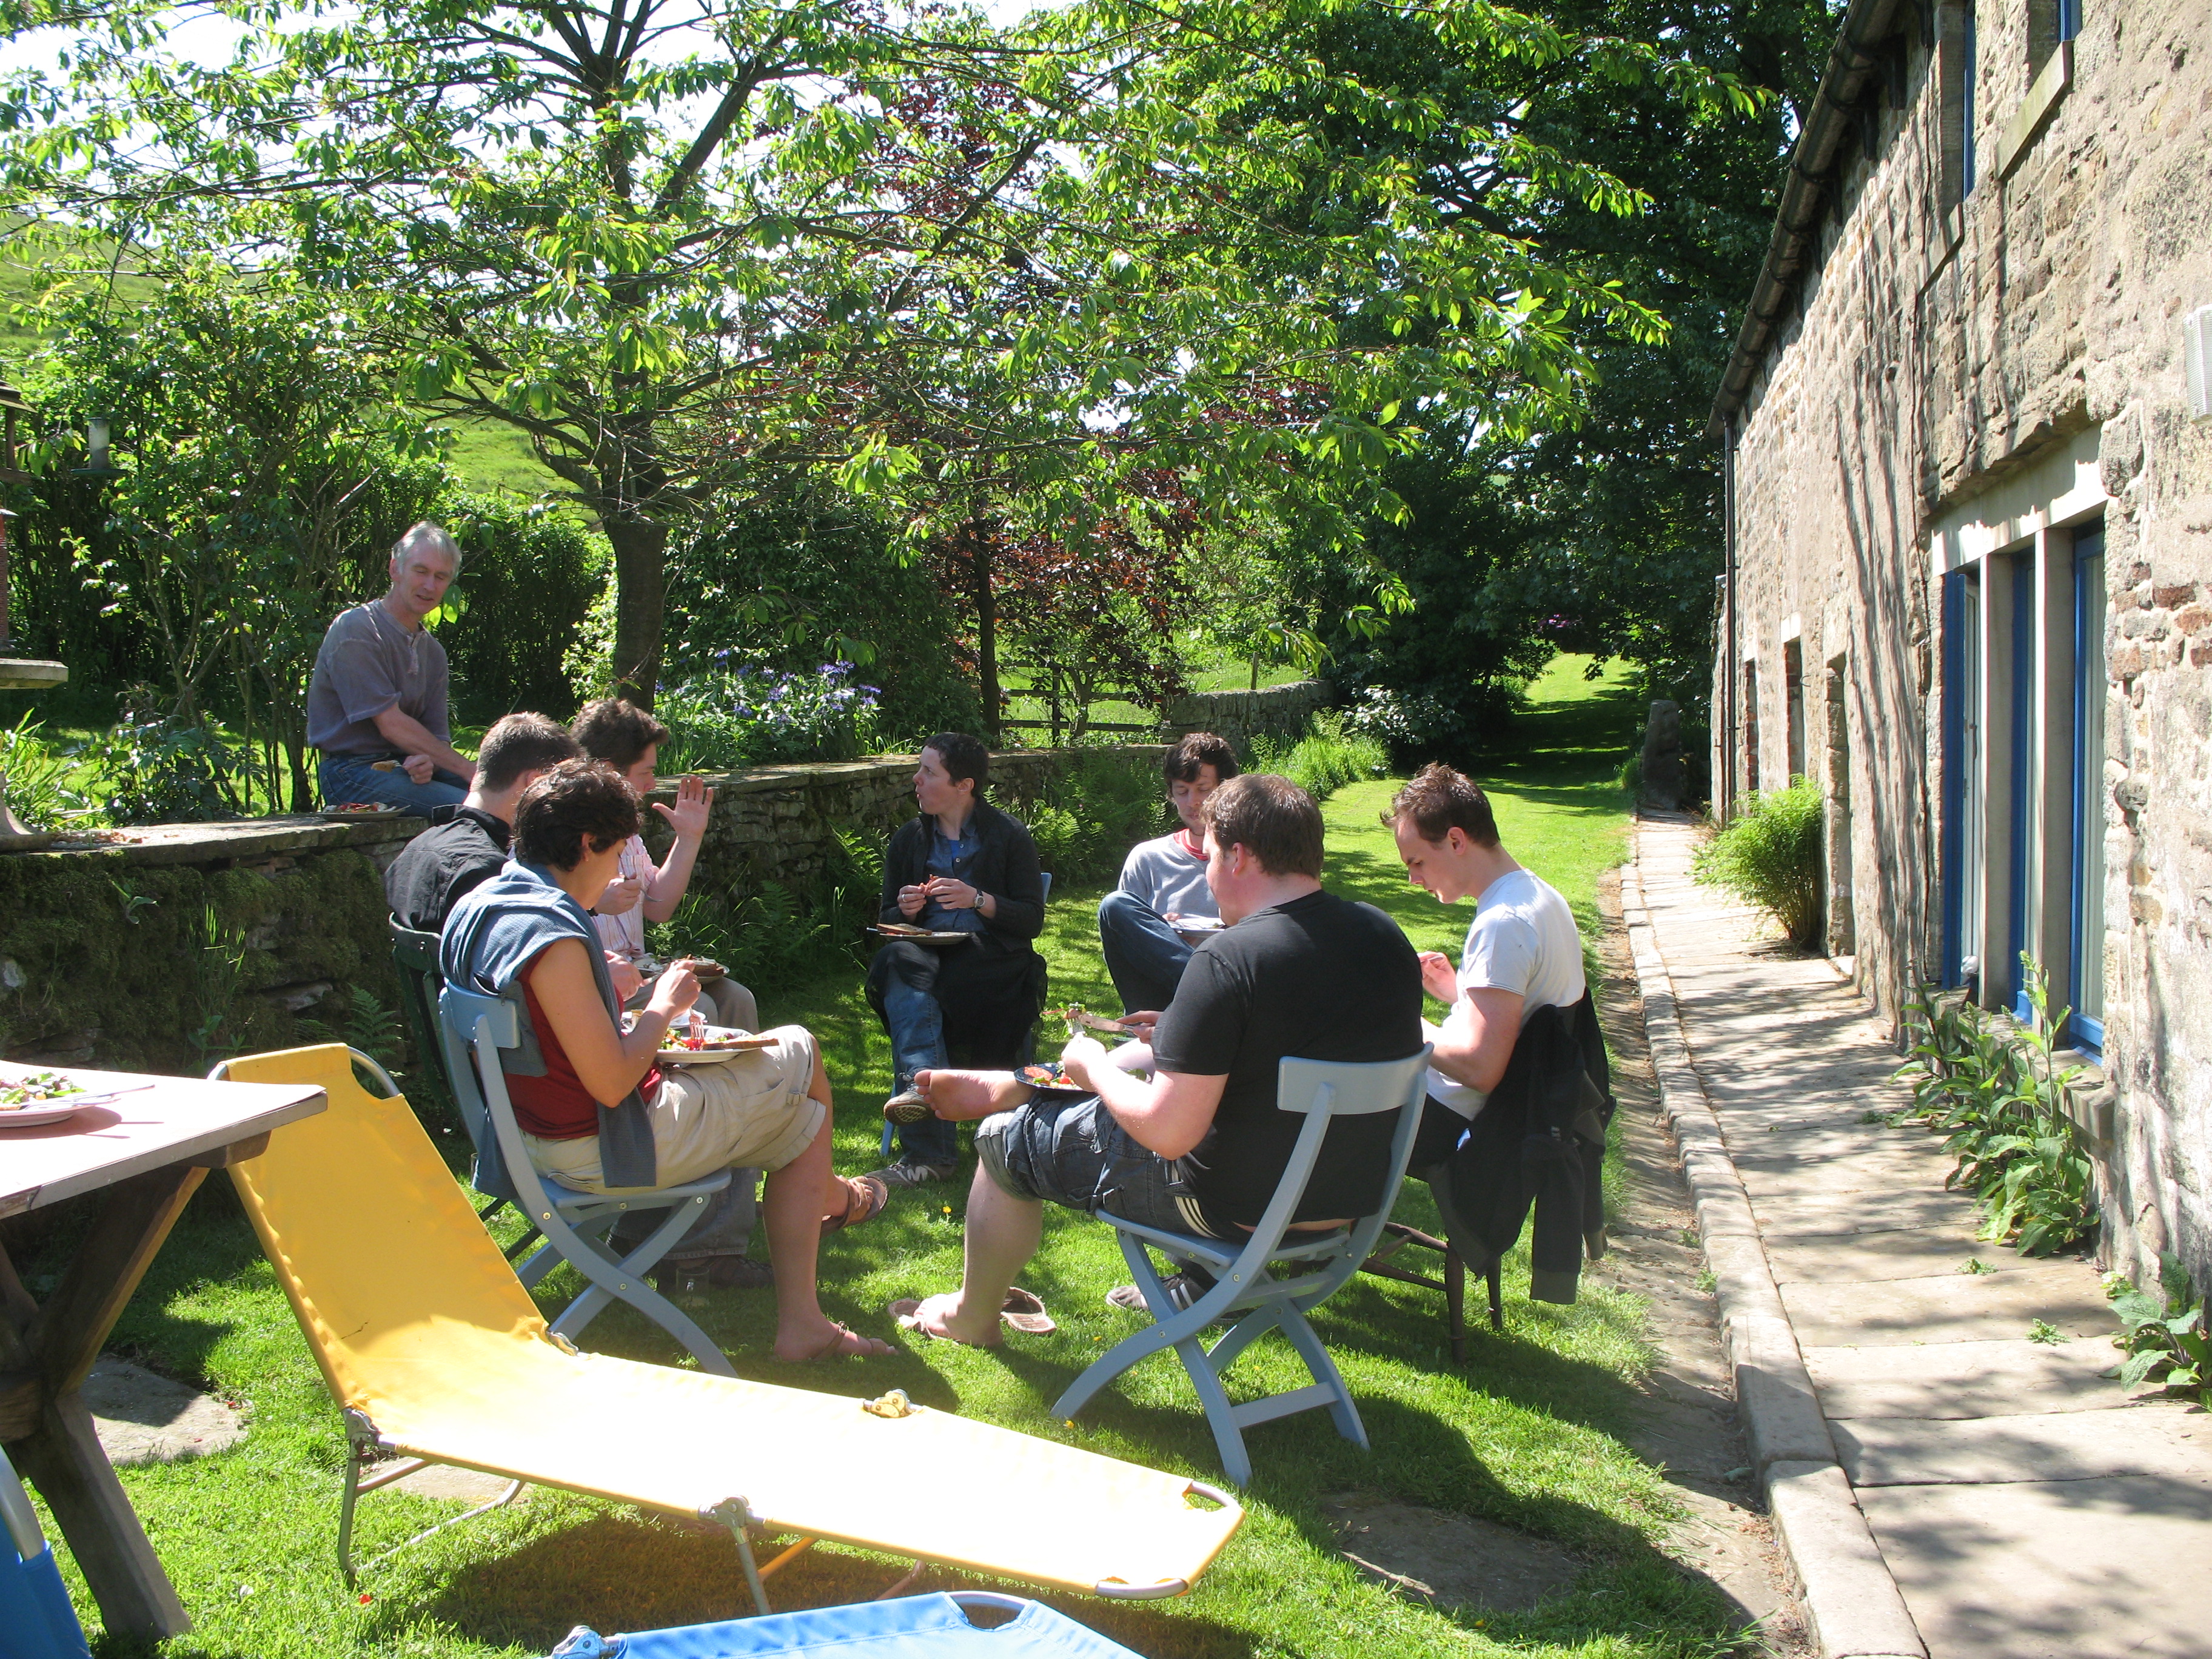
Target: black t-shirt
x: 463, y: 848
x: 1319, y: 978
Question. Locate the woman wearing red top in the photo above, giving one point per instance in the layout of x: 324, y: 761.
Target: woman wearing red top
x: 768, y: 1109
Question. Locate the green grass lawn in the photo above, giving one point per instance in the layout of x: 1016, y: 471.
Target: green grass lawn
x: 1527, y: 1434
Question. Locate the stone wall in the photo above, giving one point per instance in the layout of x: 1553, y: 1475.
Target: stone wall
x: 1276, y: 711
x: 1964, y: 380
x: 780, y: 824
x: 104, y: 956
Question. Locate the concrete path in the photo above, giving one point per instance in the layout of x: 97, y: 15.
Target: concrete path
x: 1944, y: 1484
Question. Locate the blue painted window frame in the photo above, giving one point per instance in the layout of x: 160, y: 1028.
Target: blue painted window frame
x: 2022, y: 861
x: 1955, y: 620
x: 2069, y: 19
x: 2087, y: 1032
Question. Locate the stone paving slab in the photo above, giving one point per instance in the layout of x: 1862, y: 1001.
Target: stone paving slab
x: 1964, y: 1379
x: 1856, y: 1258
x: 1779, y: 1172
x: 1902, y: 1451
x: 2110, y: 1568
x: 1954, y: 1307
x: 1794, y: 1216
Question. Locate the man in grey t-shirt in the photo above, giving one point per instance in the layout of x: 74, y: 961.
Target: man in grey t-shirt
x: 1162, y: 905
x: 376, y: 702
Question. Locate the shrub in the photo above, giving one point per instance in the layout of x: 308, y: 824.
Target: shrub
x: 747, y: 713
x: 1094, y: 812
x: 1327, y: 758
x: 1770, y: 857
x: 38, y: 775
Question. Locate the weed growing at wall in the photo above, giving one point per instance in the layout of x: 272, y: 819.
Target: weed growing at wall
x: 1769, y: 856
x: 2165, y: 1338
x: 773, y: 939
x: 1996, y: 1089
x: 38, y: 773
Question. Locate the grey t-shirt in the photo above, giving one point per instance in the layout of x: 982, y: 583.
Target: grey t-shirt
x: 1164, y: 874
x: 369, y: 663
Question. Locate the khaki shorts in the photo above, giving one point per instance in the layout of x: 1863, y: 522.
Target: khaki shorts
x: 752, y: 1112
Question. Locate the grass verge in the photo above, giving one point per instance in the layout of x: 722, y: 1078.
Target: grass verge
x: 1528, y: 1434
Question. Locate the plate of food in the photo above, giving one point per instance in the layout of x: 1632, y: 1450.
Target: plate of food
x: 1197, y: 924
x: 717, y: 1044
x: 1051, y: 1075
x: 38, y: 1098
x: 361, y: 809
x: 922, y: 935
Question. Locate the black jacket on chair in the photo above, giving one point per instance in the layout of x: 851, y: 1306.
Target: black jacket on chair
x: 1540, y: 1142
x: 991, y: 987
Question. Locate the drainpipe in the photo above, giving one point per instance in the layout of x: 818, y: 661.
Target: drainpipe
x: 1730, y: 669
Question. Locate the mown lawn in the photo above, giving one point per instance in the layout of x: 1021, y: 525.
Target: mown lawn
x: 1528, y: 1434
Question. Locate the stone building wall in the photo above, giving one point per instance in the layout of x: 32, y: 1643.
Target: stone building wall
x: 1965, y: 382
x: 1276, y: 711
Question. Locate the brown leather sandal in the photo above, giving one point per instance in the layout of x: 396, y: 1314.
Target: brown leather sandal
x: 865, y: 1198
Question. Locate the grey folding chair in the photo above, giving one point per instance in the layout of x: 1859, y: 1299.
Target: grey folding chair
x: 1244, y: 1276
x: 575, y: 1225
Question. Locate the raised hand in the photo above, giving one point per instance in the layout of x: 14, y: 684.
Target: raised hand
x: 695, y: 802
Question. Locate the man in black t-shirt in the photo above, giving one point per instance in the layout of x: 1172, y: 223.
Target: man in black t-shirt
x: 466, y: 844
x: 1201, y: 1146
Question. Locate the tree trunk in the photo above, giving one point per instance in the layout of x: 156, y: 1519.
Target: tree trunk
x: 986, y: 630
x: 641, y: 547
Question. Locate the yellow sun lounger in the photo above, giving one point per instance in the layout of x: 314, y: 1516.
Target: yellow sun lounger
x: 436, y: 1352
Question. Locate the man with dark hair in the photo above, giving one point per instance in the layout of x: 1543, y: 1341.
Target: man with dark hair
x: 376, y: 699
x: 467, y: 843
x: 963, y: 868
x: 1201, y: 1146
x: 1162, y: 905
x: 1522, y: 953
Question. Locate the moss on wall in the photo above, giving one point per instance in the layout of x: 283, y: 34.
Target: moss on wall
x: 107, y: 960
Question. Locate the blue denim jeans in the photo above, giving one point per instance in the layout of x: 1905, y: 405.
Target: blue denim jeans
x: 916, y: 1024
x: 353, y: 777
x: 1145, y: 956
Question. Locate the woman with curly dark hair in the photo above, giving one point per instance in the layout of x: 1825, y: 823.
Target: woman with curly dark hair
x: 595, y: 1113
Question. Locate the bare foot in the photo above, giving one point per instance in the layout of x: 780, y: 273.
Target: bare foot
x: 939, y: 1316
x: 822, y: 1338
x: 957, y: 1096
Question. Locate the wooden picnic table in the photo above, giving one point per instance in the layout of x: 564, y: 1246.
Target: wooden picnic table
x: 146, y: 1151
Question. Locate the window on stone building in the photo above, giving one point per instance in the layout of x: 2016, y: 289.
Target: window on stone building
x: 2050, y: 24
x: 1793, y: 679
x: 1966, y: 102
x: 1964, y: 840
x: 1750, y: 728
x: 2024, y: 814
x: 2085, y: 988
x: 2069, y: 21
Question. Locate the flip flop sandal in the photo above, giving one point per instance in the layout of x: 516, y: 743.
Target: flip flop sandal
x: 906, y: 1310
x: 833, y: 1349
x: 865, y: 1198
x: 1024, y: 1313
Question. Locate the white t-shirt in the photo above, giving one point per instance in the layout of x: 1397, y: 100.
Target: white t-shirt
x: 1522, y: 940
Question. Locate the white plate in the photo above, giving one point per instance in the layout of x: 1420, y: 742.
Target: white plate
x: 52, y: 1112
x: 333, y: 813
x: 924, y: 936
x: 733, y: 1043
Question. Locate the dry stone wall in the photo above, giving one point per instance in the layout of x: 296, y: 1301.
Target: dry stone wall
x: 1280, y: 712
x: 1950, y: 351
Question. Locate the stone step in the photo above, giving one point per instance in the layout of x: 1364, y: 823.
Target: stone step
x: 1951, y: 1380
x: 2134, y: 1439
x: 1950, y: 1308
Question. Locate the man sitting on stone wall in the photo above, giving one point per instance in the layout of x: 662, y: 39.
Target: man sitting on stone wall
x: 1162, y: 905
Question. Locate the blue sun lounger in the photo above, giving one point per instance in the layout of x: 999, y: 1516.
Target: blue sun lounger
x: 906, y: 1627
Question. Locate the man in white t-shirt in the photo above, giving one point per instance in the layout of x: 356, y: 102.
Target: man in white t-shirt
x: 1522, y: 953
x: 1162, y: 905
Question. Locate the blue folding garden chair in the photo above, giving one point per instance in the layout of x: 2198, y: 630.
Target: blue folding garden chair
x: 36, y: 1619
x: 1244, y: 1278
x: 936, y: 1626
x: 576, y: 1224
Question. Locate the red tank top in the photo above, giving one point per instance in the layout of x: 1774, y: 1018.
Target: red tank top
x: 557, y: 1106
